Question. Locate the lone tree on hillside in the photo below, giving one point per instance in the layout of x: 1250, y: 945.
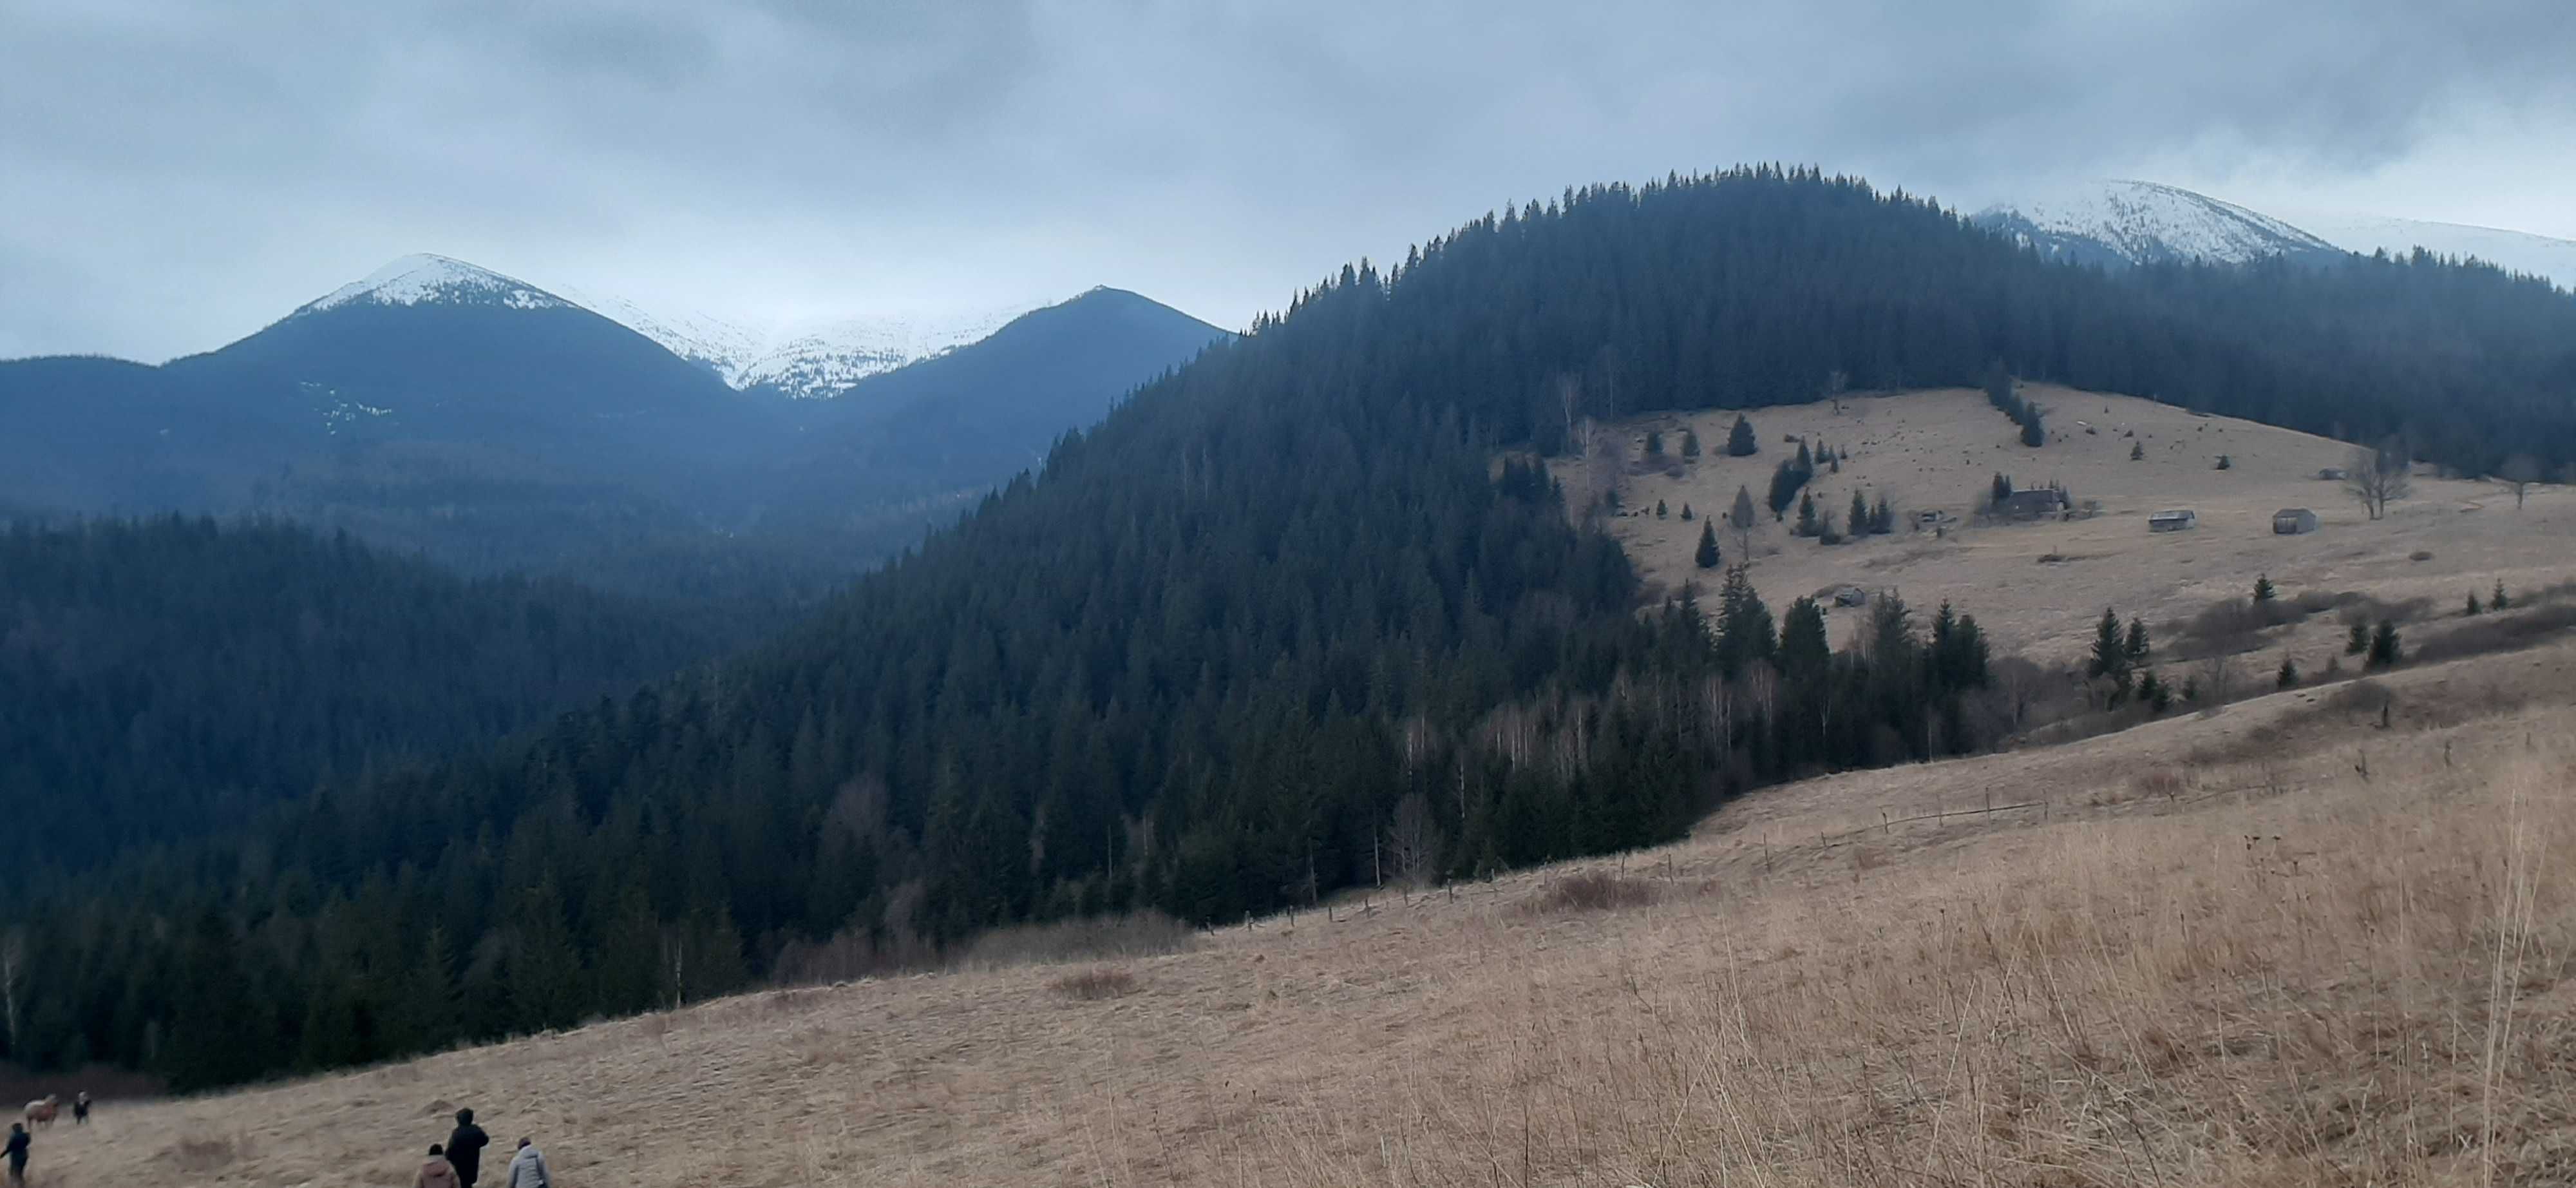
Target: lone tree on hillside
x: 1690, y: 444
x: 1740, y: 518
x: 2384, y: 648
x: 2288, y: 677
x: 2137, y: 450
x: 2263, y: 591
x: 2519, y: 472
x: 1739, y: 440
x: 1706, y: 557
x: 2377, y: 475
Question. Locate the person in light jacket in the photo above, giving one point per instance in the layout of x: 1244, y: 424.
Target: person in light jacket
x: 438, y: 1172
x: 528, y: 1168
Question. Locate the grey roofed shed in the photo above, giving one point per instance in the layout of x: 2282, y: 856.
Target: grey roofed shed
x: 2291, y: 521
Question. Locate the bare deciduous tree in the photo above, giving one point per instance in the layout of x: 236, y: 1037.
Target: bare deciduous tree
x: 2376, y: 476
x: 1412, y: 842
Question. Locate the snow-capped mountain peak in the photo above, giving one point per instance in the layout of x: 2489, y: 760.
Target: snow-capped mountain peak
x: 2137, y: 222
x: 424, y: 279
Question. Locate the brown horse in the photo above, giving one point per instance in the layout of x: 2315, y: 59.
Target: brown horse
x: 41, y: 1112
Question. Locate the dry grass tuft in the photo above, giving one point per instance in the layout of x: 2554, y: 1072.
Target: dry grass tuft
x: 205, y: 1156
x: 1093, y: 985
x: 1592, y: 891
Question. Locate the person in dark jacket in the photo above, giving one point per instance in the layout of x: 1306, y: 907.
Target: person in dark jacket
x: 18, y: 1152
x: 80, y: 1108
x: 465, y: 1148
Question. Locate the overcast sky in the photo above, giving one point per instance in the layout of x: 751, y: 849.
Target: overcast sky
x: 177, y: 173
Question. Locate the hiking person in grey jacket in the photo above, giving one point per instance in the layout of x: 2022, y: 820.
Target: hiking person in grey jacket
x: 528, y: 1168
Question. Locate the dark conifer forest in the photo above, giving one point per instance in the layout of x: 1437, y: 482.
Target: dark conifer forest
x: 1279, y: 602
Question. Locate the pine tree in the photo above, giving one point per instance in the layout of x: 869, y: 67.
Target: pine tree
x: 2357, y: 640
x: 2288, y: 678
x: 1686, y: 513
x: 1804, y: 647
x: 2152, y: 691
x: 2136, y: 646
x: 1654, y: 443
x: 1740, y: 517
x: 2474, y: 608
x: 2263, y: 591
x: 2385, y: 650
x: 1858, y: 518
x: 2110, y: 658
x: 2033, y: 433
x: 2137, y: 450
x: 1740, y: 442
x: 2225, y: 463
x: 1706, y: 557
x: 1882, y: 519
x: 1807, y: 525
x: 1690, y: 443
x: 1661, y: 511
x: 2499, y: 602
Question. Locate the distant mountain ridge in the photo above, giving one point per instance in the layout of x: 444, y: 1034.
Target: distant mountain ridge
x: 442, y: 407
x: 2119, y: 224
x: 808, y: 360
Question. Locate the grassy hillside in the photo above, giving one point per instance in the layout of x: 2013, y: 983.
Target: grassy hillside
x: 2206, y: 951
x: 2038, y: 587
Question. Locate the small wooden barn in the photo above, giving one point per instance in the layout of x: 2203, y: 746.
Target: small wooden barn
x: 2293, y: 521
x: 2033, y: 504
x: 2173, y: 521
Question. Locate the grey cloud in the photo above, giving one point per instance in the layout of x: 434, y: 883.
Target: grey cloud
x: 174, y: 174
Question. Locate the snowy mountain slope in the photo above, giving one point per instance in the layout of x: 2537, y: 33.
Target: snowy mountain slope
x: 711, y: 342
x: 424, y: 279
x: 2513, y: 251
x: 802, y: 360
x: 828, y: 360
x: 2117, y: 223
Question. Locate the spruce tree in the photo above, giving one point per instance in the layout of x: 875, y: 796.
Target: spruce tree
x: 1690, y: 443
x: 2357, y: 640
x: 1858, y: 518
x: 1706, y: 557
x: 2110, y: 657
x: 2288, y: 678
x: 1661, y: 512
x: 1654, y: 443
x: 2263, y: 591
x: 1807, y: 515
x: 1686, y: 513
x: 2474, y: 608
x: 2499, y: 602
x: 2137, y: 450
x: 2385, y: 650
x: 2033, y: 433
x: 2152, y: 691
x: 1740, y: 441
x: 2136, y: 646
x: 1740, y: 517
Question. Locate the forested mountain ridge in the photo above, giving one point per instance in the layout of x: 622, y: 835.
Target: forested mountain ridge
x: 1276, y: 618
x: 167, y: 679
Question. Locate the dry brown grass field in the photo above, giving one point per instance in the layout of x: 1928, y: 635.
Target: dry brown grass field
x: 2038, y: 587
x: 2275, y: 944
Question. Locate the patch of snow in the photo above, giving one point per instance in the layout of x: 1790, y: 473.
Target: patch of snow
x: 805, y: 359
x: 2513, y: 251
x: 427, y: 279
x: 2144, y: 223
